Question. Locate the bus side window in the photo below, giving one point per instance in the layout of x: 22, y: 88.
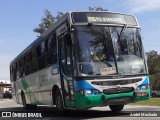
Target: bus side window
x: 17, y: 69
x: 65, y: 56
x: 39, y: 51
x: 22, y: 61
x: 14, y: 72
x: 33, y: 63
x: 51, y: 50
x: 41, y: 56
x: 27, y: 64
x: 11, y: 73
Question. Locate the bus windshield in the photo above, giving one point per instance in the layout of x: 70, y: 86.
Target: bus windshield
x: 109, y: 51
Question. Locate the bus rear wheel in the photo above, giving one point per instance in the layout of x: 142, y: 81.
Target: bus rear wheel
x: 116, y: 108
x: 27, y: 106
x: 58, y: 101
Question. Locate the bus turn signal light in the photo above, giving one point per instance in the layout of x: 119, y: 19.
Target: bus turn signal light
x: 81, y: 92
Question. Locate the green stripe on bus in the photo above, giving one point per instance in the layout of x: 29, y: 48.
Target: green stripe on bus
x: 28, y: 92
x: 88, y: 101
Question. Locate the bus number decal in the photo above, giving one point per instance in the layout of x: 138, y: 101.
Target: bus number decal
x: 106, y: 71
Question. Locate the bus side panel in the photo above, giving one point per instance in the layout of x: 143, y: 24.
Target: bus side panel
x: 18, y: 89
x: 13, y: 87
x: 30, y: 87
x: 38, y: 86
x: 47, y: 80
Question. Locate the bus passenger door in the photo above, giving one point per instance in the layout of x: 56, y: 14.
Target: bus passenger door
x: 66, y: 68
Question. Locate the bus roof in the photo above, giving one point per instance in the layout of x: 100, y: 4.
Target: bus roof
x: 59, y: 22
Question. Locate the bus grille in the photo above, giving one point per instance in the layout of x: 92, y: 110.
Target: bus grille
x: 115, y: 91
x: 115, y: 82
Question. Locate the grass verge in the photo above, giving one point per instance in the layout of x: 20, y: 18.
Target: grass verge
x: 150, y: 102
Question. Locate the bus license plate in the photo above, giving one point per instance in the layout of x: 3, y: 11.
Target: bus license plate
x: 141, y: 93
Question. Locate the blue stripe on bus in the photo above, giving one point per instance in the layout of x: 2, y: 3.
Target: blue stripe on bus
x: 146, y: 81
x: 82, y: 85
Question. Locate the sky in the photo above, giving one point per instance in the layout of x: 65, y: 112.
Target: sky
x: 18, y: 18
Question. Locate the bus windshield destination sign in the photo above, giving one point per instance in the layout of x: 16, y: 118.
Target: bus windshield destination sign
x: 104, y: 18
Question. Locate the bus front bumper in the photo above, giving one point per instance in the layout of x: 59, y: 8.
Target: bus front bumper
x: 112, y: 99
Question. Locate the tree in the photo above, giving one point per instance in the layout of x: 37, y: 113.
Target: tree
x: 153, y: 60
x: 47, y: 21
x: 97, y: 9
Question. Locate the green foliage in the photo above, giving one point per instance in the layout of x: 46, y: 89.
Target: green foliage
x: 153, y: 59
x: 97, y: 9
x: 47, y: 21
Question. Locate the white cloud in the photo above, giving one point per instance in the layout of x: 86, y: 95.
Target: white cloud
x: 138, y: 6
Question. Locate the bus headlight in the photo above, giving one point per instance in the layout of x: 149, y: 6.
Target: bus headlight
x: 88, y: 92
x: 144, y: 87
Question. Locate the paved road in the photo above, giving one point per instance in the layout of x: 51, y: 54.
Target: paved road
x: 96, y: 113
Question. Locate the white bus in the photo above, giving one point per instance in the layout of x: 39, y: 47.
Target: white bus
x: 85, y: 59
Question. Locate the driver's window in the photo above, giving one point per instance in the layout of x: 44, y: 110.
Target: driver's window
x: 65, y: 56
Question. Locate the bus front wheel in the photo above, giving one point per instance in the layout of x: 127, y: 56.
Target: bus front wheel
x: 58, y: 101
x: 116, y: 108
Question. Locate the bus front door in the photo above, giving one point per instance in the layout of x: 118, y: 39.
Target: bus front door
x: 66, y: 68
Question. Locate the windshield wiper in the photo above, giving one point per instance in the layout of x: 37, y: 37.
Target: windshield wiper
x: 123, y: 29
x: 120, y: 35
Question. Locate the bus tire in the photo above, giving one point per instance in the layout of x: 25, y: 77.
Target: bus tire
x: 58, y: 101
x: 27, y: 106
x: 116, y: 108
